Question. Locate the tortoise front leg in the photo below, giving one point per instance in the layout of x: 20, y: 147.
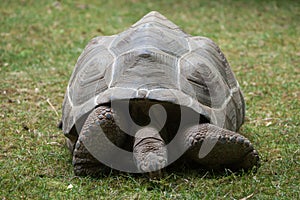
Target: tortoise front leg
x: 100, y: 118
x: 217, y: 148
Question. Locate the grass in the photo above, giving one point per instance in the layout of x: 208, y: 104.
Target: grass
x: 40, y: 42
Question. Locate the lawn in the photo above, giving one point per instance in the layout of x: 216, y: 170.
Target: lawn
x: 40, y: 43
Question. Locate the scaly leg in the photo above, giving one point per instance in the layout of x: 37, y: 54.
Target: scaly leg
x: 150, y: 152
x: 100, y: 118
x: 218, y: 148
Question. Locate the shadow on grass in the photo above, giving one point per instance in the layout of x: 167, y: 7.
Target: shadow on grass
x: 181, y: 169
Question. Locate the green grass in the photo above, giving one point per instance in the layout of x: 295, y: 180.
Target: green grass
x: 40, y: 43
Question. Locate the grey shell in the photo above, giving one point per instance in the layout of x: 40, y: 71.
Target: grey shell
x: 154, y: 59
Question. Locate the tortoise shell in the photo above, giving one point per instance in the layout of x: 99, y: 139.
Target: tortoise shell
x: 154, y: 59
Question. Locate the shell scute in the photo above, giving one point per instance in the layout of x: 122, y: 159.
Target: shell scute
x: 154, y: 59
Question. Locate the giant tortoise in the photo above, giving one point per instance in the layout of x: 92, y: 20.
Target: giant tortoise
x: 149, y: 96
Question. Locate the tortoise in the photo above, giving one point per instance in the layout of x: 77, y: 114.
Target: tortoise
x: 152, y: 95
